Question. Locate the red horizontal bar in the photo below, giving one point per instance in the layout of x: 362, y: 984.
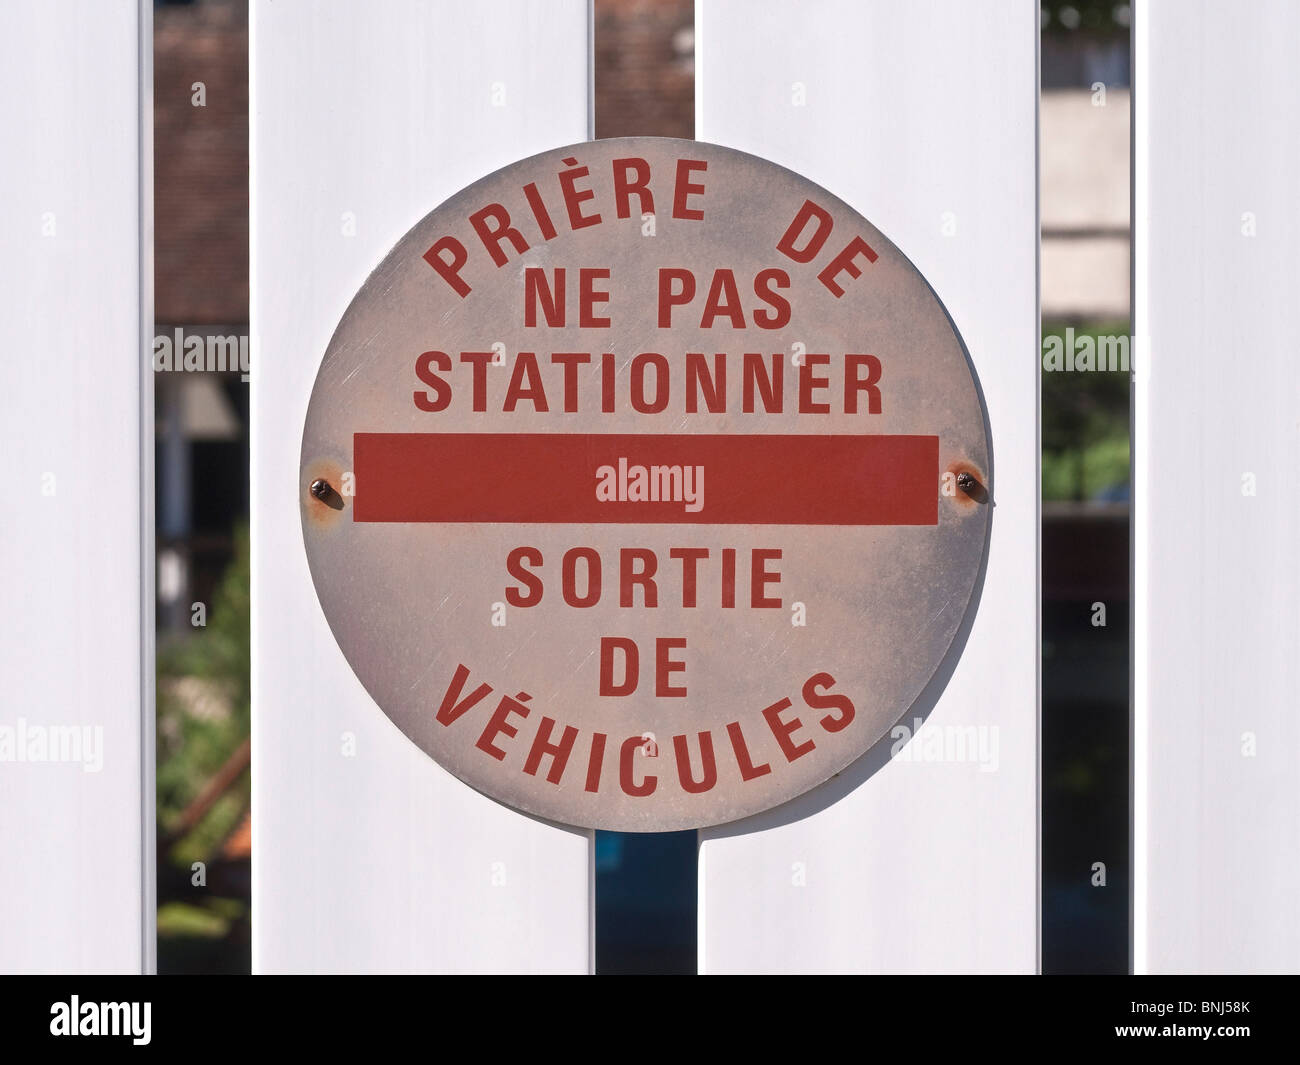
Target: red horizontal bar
x: 545, y: 477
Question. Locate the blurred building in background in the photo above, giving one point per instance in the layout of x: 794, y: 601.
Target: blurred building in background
x: 645, y: 68
x: 200, y: 295
x: 202, y: 362
x: 1083, y: 156
x: 1085, y: 289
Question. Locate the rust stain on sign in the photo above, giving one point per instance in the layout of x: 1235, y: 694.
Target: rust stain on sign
x: 645, y: 484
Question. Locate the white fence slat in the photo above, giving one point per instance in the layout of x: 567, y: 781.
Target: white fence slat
x: 375, y: 113
x: 76, y: 631
x: 923, y: 116
x: 1217, y: 516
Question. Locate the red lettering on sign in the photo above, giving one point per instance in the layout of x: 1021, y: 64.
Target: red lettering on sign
x: 609, y: 646
x: 652, y: 383
x: 637, y: 566
x: 627, y: 769
x: 765, y: 283
x: 595, y: 762
x: 640, y: 403
x: 499, y: 724
x: 697, y: 373
x: 676, y: 288
x: 424, y: 367
x: 620, y: 654
x: 478, y: 361
x: 723, y: 301
x: 761, y: 577
x: 666, y: 666
x: 537, y: 288
x: 452, y: 704
x: 632, y: 177
x: 544, y: 223
x: 708, y: 764
x: 448, y: 256
x: 783, y: 730
x: 492, y: 224
x: 571, y: 360
x: 770, y: 385
x: 728, y: 578
x: 845, y: 263
x: 569, y: 574
x: 808, y: 382
x: 559, y: 752
x: 526, y: 384
x: 748, y: 770
x: 813, y: 242
x: 816, y: 698
x: 686, y: 188
x: 809, y: 213
x: 531, y: 593
x: 589, y: 296
x: 574, y: 197
x: 854, y: 382
x: 690, y: 558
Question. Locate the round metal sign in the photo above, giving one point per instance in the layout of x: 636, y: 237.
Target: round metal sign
x: 645, y: 484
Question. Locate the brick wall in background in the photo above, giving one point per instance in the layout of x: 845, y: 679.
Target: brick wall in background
x: 645, y: 68
x: 201, y: 163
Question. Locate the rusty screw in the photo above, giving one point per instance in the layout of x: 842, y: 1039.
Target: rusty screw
x: 970, y: 485
x: 321, y: 489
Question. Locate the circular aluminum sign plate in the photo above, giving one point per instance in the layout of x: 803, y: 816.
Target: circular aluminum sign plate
x: 645, y: 485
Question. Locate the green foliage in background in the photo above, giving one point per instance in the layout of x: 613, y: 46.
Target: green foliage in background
x: 1087, y: 16
x: 194, y: 743
x: 1085, y: 425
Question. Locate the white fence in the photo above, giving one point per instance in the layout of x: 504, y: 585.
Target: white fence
x: 76, y: 543
x: 405, y: 867
x: 1216, y: 832
x: 911, y: 869
x: 921, y: 115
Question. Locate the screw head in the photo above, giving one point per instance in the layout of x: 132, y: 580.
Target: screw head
x: 320, y: 488
x: 965, y: 482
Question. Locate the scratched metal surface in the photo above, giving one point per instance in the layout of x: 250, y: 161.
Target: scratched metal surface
x: 408, y: 602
